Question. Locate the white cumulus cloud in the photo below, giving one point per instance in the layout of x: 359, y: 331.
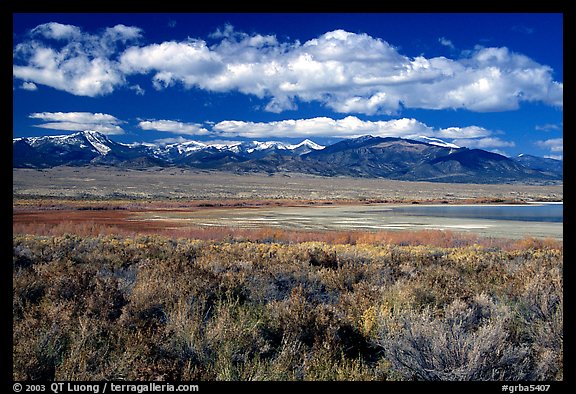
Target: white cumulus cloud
x: 347, y: 72
x: 79, y: 63
x: 31, y: 86
x: 348, y: 127
x: 484, y: 143
x: 57, y: 31
x: 555, y: 144
x: 172, y: 126
x: 350, y: 73
x: 79, y: 121
x: 446, y: 42
x: 468, y: 132
x: 352, y: 127
x: 549, y: 127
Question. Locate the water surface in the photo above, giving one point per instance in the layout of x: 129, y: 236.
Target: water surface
x: 525, y: 213
x: 508, y: 221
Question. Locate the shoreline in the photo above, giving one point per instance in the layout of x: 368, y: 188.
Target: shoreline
x: 43, y: 203
x: 335, y: 218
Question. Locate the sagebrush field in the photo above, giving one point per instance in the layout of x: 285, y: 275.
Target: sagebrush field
x: 98, y: 295
x: 157, y: 308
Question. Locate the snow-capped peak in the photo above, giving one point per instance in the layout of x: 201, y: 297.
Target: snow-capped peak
x: 98, y: 141
x: 188, y: 146
x: 257, y: 145
x: 306, y: 143
x: 233, y: 147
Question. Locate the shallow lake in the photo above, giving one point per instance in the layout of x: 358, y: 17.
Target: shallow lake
x: 509, y: 221
x: 550, y: 212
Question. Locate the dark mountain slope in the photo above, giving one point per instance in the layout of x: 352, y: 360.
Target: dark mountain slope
x: 367, y: 156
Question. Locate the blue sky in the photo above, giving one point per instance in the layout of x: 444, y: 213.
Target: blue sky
x: 490, y: 81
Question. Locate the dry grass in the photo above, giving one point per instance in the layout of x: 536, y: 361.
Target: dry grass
x: 178, y: 184
x: 90, y: 223
x: 149, y: 307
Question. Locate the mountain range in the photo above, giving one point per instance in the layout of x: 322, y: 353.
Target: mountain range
x: 421, y: 159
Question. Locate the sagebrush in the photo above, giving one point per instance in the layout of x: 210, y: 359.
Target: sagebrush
x: 158, y: 308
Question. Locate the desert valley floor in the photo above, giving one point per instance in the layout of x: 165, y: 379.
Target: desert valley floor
x: 175, y: 198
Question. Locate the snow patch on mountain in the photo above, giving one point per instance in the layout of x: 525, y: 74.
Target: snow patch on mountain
x: 98, y: 141
x: 306, y: 143
x: 259, y: 146
x: 435, y: 141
